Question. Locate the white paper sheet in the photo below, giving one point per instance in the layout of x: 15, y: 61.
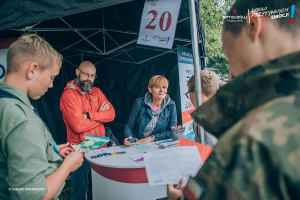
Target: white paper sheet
x: 168, y: 166
x: 137, y: 158
x: 158, y: 23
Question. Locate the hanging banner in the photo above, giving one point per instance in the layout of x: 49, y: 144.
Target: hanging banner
x: 4, y: 45
x: 186, y: 71
x: 158, y: 24
x: 3, y: 53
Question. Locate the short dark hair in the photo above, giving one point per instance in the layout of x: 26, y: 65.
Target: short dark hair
x: 241, y: 7
x: 31, y: 47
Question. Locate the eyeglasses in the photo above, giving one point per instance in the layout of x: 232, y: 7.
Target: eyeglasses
x: 93, y: 76
x: 187, y: 94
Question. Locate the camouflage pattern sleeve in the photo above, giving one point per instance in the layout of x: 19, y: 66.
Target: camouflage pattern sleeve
x: 258, y: 153
x: 258, y: 158
x: 257, y: 86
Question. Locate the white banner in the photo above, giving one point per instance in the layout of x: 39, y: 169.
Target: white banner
x: 3, y: 65
x: 159, y: 22
x: 186, y: 71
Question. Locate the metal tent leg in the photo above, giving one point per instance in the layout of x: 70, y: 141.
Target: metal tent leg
x: 200, y: 136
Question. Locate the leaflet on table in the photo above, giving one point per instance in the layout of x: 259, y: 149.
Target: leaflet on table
x: 168, y: 166
x: 140, y: 157
x: 141, y: 147
x: 166, y: 144
x: 91, y: 142
x: 137, y: 158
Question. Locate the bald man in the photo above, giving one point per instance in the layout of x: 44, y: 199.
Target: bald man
x: 84, y: 109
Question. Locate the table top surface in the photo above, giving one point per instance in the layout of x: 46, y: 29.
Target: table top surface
x: 122, y: 160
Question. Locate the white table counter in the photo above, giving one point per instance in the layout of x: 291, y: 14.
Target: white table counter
x: 117, y: 177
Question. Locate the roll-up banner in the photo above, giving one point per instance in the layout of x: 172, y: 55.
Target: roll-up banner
x: 186, y: 71
x: 3, y: 53
x: 4, y: 45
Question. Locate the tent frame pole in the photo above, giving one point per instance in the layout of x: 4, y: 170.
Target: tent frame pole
x: 199, y: 137
x: 120, y: 47
x: 104, y: 48
x: 79, y: 41
x: 82, y: 36
x: 104, y: 33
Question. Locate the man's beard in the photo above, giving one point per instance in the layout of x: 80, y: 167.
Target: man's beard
x: 83, y: 86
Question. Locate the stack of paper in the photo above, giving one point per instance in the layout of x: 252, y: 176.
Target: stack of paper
x: 137, y: 158
x: 166, y: 144
x: 168, y: 166
x: 203, y: 150
x: 141, y: 147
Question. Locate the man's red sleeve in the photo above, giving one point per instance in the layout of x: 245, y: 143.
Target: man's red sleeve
x: 104, y: 116
x: 73, y: 115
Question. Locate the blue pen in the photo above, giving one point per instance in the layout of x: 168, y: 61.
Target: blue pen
x: 106, y: 154
x: 91, y: 154
x: 102, y: 153
x: 95, y: 154
x: 99, y: 153
x: 109, y: 154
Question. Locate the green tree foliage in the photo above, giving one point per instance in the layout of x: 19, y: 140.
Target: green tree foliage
x: 212, y: 12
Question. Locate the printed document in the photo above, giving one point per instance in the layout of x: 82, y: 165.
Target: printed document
x: 168, y: 166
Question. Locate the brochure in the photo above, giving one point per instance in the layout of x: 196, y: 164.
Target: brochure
x: 91, y: 142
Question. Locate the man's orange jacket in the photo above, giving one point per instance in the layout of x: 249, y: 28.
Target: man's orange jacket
x: 74, y: 103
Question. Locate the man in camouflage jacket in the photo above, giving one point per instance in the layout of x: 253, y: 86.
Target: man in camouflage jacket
x: 256, y: 116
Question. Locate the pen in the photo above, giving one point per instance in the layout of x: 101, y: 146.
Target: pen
x: 102, y: 152
x: 93, y: 155
x: 99, y: 153
x: 105, y: 154
x: 89, y: 153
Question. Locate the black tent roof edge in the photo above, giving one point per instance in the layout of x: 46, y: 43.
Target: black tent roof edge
x: 63, y: 13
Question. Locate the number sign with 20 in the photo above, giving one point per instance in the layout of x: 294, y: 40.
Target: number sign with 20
x: 161, y: 20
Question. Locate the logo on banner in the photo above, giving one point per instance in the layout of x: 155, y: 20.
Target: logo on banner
x: 188, y: 105
x: 292, y: 13
x: 2, y: 74
x: 189, y: 72
x: 152, y: 3
x: 146, y: 39
x: 190, y: 127
x: 188, y: 78
x: 160, y: 40
x: 164, y: 40
x: 234, y: 11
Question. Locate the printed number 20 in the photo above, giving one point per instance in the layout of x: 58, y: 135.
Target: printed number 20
x: 161, y: 20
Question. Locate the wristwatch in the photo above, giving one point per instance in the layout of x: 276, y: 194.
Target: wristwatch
x: 153, y: 138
